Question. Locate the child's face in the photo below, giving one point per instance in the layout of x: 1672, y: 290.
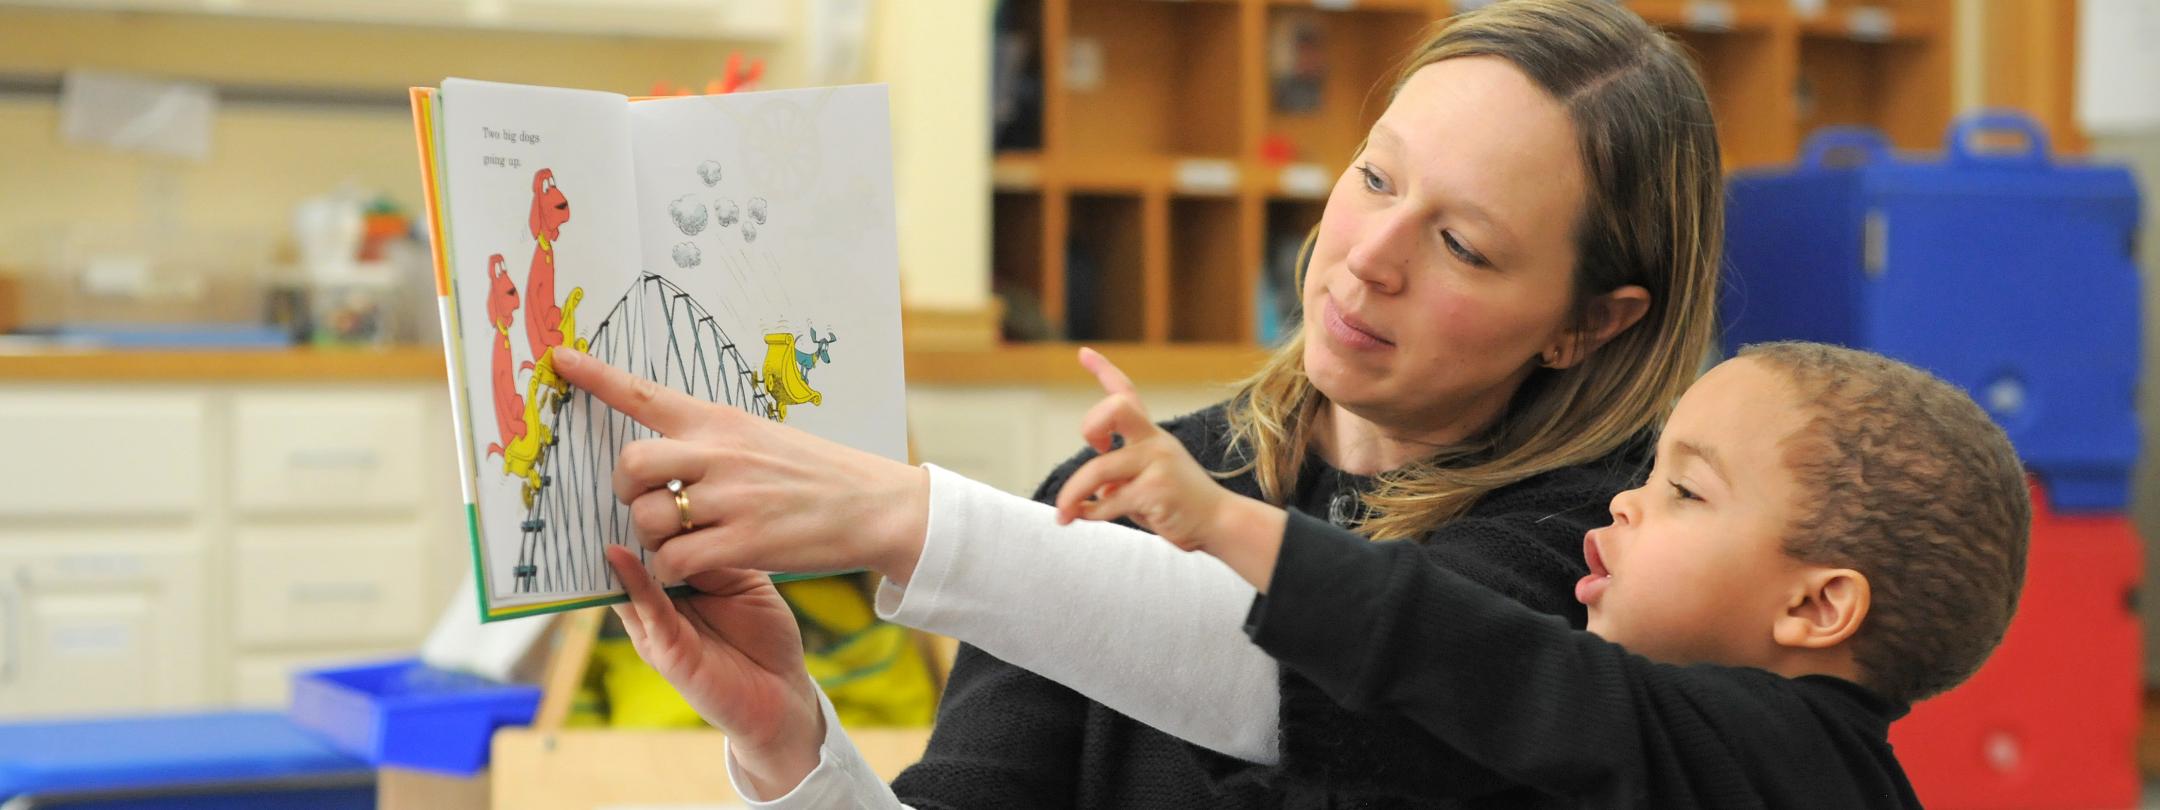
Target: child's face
x: 1692, y: 568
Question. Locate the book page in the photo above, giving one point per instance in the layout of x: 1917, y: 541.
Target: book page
x: 541, y: 213
x: 771, y: 258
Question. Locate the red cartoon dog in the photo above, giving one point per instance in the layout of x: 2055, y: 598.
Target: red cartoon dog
x: 502, y: 304
x: 546, y: 323
x: 517, y: 419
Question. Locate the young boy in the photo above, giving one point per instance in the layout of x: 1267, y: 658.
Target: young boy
x: 1827, y: 536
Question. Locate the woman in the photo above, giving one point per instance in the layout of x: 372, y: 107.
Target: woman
x: 1507, y: 287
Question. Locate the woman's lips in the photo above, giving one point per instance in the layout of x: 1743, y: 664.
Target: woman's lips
x: 1351, y: 332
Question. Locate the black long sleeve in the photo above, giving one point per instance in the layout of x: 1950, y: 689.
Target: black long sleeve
x: 1009, y: 738
x: 1005, y: 737
x: 1390, y: 629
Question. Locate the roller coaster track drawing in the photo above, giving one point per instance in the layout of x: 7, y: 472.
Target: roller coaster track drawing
x: 655, y: 331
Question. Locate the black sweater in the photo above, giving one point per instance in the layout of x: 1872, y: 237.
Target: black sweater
x: 1582, y: 720
x: 1008, y: 738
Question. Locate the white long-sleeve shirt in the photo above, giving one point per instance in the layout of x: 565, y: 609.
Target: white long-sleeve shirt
x: 1119, y: 616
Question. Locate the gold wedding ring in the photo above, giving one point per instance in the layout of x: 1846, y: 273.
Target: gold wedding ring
x: 682, y: 503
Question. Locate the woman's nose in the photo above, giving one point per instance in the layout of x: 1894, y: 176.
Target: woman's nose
x: 1384, y: 252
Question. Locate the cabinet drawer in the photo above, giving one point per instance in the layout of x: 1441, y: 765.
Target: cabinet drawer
x: 314, y: 452
x: 100, y: 454
x: 328, y: 586
x: 264, y: 680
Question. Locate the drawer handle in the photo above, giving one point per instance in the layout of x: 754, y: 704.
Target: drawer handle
x: 335, y: 592
x: 334, y: 459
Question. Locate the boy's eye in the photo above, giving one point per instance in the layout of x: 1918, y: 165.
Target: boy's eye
x: 1683, y: 493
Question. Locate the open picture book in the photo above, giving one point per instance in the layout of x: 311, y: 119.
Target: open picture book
x: 740, y: 248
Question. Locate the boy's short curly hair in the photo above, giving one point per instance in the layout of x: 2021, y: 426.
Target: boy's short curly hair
x: 1906, y: 480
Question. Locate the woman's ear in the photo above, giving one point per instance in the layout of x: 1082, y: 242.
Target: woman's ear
x: 1609, y: 315
x: 1825, y: 610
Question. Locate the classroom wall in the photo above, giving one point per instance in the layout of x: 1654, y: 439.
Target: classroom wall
x: 938, y: 67
x: 267, y: 158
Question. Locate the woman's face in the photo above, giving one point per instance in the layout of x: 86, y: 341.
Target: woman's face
x: 1445, y: 259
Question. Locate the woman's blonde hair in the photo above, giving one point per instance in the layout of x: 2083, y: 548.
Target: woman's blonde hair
x: 1653, y: 216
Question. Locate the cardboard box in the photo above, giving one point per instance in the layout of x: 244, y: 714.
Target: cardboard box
x: 580, y: 769
x: 404, y: 789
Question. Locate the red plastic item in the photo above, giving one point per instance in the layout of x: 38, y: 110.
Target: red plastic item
x: 2052, y: 720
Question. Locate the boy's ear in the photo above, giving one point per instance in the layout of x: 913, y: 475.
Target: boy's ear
x: 1825, y: 610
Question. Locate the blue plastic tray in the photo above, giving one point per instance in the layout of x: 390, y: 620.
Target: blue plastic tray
x: 407, y: 714
x: 220, y: 759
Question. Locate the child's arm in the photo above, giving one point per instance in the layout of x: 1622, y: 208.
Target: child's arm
x: 1382, y: 627
x: 1153, y: 480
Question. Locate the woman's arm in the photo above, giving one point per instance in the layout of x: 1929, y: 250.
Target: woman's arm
x: 1111, y: 612
x: 842, y: 777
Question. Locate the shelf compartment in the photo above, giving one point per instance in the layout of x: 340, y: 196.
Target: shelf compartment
x: 1140, y: 77
x: 1018, y: 271
x: 1287, y: 224
x: 1749, y: 73
x: 1211, y: 287
x: 1895, y: 87
x: 1105, y: 289
x: 1325, y: 110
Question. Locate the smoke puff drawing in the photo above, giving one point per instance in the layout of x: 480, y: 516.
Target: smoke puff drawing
x: 727, y: 212
x: 687, y: 255
x: 749, y: 231
x: 709, y: 171
x: 757, y: 210
x: 689, y: 214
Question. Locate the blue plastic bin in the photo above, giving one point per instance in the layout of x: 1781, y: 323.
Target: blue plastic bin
x: 407, y: 714
x: 225, y: 760
x: 2010, y: 274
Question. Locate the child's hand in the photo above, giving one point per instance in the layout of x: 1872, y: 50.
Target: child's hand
x: 1152, y: 479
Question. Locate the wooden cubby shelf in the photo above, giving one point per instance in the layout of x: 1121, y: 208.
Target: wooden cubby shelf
x: 1187, y: 146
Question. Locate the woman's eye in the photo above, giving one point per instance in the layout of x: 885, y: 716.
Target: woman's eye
x: 1462, y: 251
x: 1683, y: 493
x: 1372, y: 179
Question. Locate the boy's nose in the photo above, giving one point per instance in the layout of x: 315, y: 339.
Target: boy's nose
x: 1623, y: 507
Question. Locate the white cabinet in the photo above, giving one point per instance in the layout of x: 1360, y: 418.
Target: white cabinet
x: 89, y: 626
x: 316, y: 453
x: 102, y: 454
x: 183, y: 546
x: 328, y: 585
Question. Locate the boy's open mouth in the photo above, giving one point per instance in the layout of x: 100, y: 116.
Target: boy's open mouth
x: 1589, y: 588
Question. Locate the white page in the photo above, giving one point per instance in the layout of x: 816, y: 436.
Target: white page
x: 496, y: 139
x: 773, y: 213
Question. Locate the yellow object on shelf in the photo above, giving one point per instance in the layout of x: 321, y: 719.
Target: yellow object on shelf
x: 872, y: 671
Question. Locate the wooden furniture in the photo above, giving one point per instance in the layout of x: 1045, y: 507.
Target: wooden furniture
x: 1155, y: 198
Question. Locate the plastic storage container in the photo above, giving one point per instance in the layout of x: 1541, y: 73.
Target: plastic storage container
x: 2051, y: 721
x: 2004, y: 272
x: 407, y: 714
x: 246, y: 760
